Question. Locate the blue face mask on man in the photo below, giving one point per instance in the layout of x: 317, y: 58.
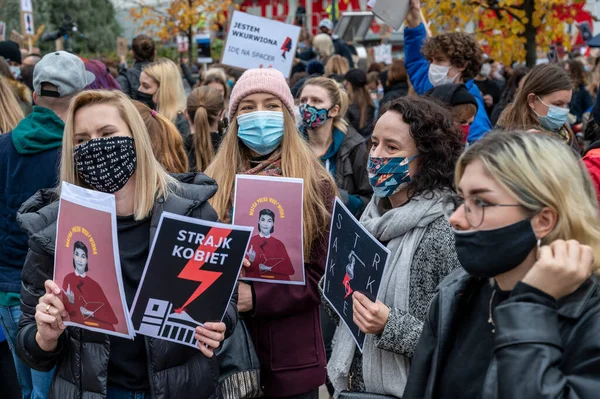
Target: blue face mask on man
x: 261, y: 131
x: 555, y: 118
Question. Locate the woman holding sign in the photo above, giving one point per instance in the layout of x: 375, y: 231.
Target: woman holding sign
x: 283, y: 319
x: 525, y: 308
x: 99, y: 125
x: 415, y: 146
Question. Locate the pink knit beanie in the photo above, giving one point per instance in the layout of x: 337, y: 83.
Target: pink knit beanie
x: 261, y: 80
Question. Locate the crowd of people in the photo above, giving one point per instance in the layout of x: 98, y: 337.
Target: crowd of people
x: 482, y: 181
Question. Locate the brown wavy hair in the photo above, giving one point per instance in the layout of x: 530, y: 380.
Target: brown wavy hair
x: 438, y: 142
x: 462, y: 50
x: 167, y: 144
x: 204, y: 105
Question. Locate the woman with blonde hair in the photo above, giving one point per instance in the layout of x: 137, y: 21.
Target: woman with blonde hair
x: 323, y: 46
x: 542, y: 104
x: 283, y: 319
x: 205, y: 109
x: 336, y: 66
x: 99, y: 125
x: 161, y: 88
x: 10, y: 111
x: 167, y: 144
x: 525, y: 309
x: 339, y: 147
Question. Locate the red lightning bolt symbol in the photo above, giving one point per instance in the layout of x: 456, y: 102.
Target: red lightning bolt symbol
x: 192, y: 271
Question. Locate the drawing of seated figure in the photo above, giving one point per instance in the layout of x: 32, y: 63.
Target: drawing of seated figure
x: 268, y: 257
x: 83, y: 298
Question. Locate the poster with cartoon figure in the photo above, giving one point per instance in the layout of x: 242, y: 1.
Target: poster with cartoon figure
x: 273, y: 206
x: 355, y: 263
x: 86, y: 262
x: 189, y: 278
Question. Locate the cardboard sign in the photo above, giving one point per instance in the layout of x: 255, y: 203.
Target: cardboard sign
x: 392, y: 12
x: 27, y: 21
x: 203, y: 46
x: 183, y: 44
x: 355, y: 263
x: 383, y: 53
x: 256, y: 42
x: 189, y: 278
x: 273, y: 207
x: 86, y: 262
x: 2, y: 31
x: 17, y: 38
x: 122, y: 47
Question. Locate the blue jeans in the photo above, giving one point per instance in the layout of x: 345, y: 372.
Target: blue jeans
x: 118, y: 393
x: 34, y: 384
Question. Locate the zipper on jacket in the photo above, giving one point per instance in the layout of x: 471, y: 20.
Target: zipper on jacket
x: 149, y: 367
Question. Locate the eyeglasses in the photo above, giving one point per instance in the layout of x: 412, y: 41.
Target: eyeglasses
x: 474, y: 208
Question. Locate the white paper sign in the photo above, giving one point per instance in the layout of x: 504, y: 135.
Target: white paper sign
x: 256, y: 42
x: 26, y: 6
x: 29, y: 28
x: 392, y: 12
x: 383, y: 53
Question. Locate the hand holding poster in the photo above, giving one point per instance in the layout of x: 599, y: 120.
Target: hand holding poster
x: 86, y: 263
x: 276, y: 251
x: 256, y: 42
x: 355, y: 263
x: 189, y: 278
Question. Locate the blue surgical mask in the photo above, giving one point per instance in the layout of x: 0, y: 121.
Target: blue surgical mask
x: 261, y: 131
x: 387, y: 176
x: 16, y: 71
x: 555, y: 118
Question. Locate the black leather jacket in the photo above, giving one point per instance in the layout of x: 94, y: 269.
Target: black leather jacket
x: 543, y: 349
x: 81, y: 358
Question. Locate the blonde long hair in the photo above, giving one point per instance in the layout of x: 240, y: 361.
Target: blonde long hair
x: 204, y: 105
x: 10, y: 111
x: 167, y: 143
x: 337, y: 65
x: 297, y: 160
x: 171, y: 94
x: 152, y: 180
x: 540, y: 171
x: 337, y: 95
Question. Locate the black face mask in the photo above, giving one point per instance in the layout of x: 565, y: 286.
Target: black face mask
x: 489, y: 253
x: 106, y: 164
x: 146, y: 99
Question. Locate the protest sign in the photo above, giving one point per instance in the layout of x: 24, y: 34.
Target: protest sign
x: 183, y: 44
x: 273, y: 206
x: 122, y: 47
x: 383, y: 53
x: 189, y: 277
x: 355, y: 263
x: 203, y: 48
x: 17, y: 38
x: 255, y: 42
x: 2, y: 31
x: 26, y: 6
x: 392, y: 12
x: 86, y: 262
x: 27, y: 23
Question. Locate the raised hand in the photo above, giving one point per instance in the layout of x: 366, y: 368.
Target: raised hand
x: 70, y: 295
x: 251, y: 254
x: 413, y: 18
x: 49, y: 314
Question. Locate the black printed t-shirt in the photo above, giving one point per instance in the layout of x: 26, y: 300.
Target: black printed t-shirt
x: 128, y: 362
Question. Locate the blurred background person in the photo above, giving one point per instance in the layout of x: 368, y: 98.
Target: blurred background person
x: 514, y: 83
x: 462, y: 104
x: 104, y: 80
x: 361, y: 111
x: 10, y: 111
x: 336, y: 67
x: 20, y: 91
x: 167, y: 143
x: 582, y: 100
x: 143, y: 51
x: 397, y: 83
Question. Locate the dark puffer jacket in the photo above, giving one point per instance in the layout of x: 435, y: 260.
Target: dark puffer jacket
x: 81, y: 358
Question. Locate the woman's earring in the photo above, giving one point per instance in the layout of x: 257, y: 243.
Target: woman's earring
x: 539, y: 244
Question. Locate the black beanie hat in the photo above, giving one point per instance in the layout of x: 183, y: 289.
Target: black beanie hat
x: 10, y: 51
x: 357, y: 77
x: 452, y: 94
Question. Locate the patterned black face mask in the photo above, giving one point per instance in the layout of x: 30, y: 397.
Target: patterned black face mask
x: 106, y: 164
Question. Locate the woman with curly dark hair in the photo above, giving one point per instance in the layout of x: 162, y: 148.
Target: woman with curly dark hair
x: 415, y: 147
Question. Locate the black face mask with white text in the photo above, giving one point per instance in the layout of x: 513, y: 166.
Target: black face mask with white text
x: 106, y: 164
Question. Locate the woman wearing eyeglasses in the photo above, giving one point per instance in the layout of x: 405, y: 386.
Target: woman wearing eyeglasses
x: 522, y: 319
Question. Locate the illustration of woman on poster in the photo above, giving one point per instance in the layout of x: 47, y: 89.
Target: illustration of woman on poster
x: 85, y: 301
x: 268, y: 256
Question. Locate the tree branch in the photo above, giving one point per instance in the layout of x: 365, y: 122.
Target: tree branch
x: 497, y: 9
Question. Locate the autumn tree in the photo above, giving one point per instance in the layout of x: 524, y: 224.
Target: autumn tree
x: 179, y: 17
x: 513, y: 29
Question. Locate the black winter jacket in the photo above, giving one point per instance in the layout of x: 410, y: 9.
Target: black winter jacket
x: 543, y: 349
x: 129, y: 79
x: 81, y: 358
